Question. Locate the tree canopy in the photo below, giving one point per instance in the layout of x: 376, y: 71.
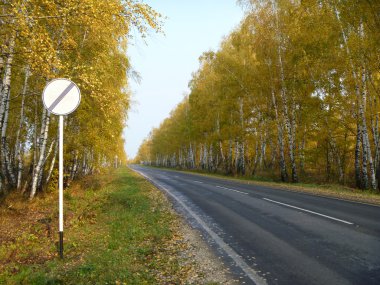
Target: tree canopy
x: 292, y: 94
x: 85, y: 41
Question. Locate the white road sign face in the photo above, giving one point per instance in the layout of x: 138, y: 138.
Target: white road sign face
x: 61, y: 96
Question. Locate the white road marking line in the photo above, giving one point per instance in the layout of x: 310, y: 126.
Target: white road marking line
x: 250, y: 272
x: 198, y: 181
x: 232, y: 190
x: 308, y: 211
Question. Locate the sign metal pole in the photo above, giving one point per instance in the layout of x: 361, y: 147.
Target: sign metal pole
x: 61, y: 97
x: 61, y: 186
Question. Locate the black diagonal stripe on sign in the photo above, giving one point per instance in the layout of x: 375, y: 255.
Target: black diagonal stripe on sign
x: 60, y: 97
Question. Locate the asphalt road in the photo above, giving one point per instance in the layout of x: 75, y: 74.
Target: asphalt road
x: 273, y: 236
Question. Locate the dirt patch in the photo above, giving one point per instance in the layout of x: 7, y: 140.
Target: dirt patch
x: 208, y: 268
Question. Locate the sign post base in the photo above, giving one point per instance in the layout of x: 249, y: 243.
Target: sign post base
x: 61, y: 245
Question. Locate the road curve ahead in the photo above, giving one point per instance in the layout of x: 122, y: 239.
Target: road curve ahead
x: 274, y: 236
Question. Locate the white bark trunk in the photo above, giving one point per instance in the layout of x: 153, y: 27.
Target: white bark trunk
x: 284, y: 98
x: 74, y: 166
x: 19, y: 145
x: 191, y: 158
x: 39, y: 166
x: 39, y: 183
x: 4, y: 111
x: 229, y: 157
x: 367, y: 155
x: 362, y: 134
x: 6, y: 83
x: 283, y: 171
x: 5, y: 154
x: 53, y: 163
x: 211, y: 158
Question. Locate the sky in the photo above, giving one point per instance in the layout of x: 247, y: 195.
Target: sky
x: 166, y: 61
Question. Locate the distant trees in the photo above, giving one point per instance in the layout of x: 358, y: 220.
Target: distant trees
x: 81, y: 40
x: 292, y: 93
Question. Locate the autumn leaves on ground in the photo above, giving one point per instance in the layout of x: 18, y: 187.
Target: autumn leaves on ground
x: 119, y: 230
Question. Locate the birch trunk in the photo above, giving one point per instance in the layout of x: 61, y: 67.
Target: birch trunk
x: 222, y: 154
x: 211, y: 158
x: 1, y: 74
x: 42, y: 130
x: 74, y: 167
x: 378, y: 171
x: 6, y: 83
x: 205, y: 157
x: 375, y: 135
x: 2, y: 192
x: 263, y: 144
x: 338, y: 161
x: 236, y: 163
x: 191, y: 157
x: 293, y: 144
x: 273, y: 155
x: 40, y: 163
x: 20, y: 166
x: 241, y: 158
x: 284, y: 97
x: 52, y: 163
x: 4, y: 112
x: 5, y: 153
x: 287, y: 122
x: 220, y: 145
x: 364, y: 164
x: 200, y: 160
x: 302, y: 154
x: 256, y: 159
x: 18, y: 149
x: 180, y: 161
x: 52, y: 145
x: 366, y: 144
x: 35, y: 143
x: 241, y: 151
x: 280, y: 134
x: 229, y: 157
x: 362, y: 133
x: 358, y: 176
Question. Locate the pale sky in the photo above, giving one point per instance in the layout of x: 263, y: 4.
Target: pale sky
x: 166, y: 62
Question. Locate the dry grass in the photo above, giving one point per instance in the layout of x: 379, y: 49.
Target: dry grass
x: 119, y: 229
x: 29, y: 228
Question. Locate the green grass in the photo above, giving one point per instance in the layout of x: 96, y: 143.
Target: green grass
x: 117, y: 234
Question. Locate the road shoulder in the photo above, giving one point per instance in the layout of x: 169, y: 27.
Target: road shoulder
x: 119, y: 229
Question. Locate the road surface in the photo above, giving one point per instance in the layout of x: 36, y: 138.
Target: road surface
x: 273, y: 236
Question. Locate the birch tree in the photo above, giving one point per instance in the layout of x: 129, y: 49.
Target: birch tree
x: 85, y: 41
x: 293, y: 89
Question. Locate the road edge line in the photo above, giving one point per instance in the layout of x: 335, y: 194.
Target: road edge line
x: 252, y: 274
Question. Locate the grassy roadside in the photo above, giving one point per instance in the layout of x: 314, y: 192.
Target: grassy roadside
x: 325, y: 190
x: 119, y: 230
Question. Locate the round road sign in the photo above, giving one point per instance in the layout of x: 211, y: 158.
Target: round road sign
x: 61, y: 96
